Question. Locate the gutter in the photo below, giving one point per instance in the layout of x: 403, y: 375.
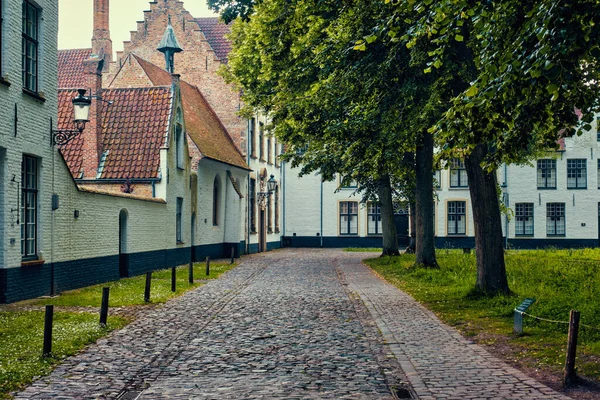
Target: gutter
x: 117, y: 180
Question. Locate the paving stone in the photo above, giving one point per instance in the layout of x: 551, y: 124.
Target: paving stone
x: 288, y: 324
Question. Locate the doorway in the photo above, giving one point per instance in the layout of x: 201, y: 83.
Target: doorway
x: 401, y: 222
x: 123, y: 256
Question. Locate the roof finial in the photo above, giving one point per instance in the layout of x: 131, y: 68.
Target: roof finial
x: 169, y: 46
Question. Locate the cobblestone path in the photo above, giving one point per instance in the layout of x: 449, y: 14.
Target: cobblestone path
x: 293, y: 324
x: 280, y: 325
x: 439, y: 363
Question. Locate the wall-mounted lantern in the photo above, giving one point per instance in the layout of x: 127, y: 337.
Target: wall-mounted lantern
x: 81, y: 116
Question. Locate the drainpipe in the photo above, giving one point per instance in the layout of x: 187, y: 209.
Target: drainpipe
x: 506, y: 221
x: 321, y: 212
x: 283, y: 196
x: 248, y: 205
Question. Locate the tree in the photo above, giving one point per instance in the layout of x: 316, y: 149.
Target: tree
x: 532, y: 64
x: 232, y: 9
x: 349, y: 110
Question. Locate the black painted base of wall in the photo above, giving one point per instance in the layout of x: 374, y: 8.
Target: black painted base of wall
x: 23, y: 283
x: 253, y: 247
x: 558, y: 243
x: 457, y: 242
x: 337, y: 241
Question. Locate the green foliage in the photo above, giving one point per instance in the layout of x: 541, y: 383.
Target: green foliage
x: 130, y: 291
x: 232, y: 9
x: 348, y: 111
x: 530, y: 64
x: 21, y: 340
x: 560, y: 280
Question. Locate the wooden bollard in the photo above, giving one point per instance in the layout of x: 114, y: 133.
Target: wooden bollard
x: 48, y: 331
x: 173, y: 279
x: 191, y: 272
x: 570, y: 375
x: 207, y: 266
x: 147, y: 289
x: 104, y: 306
x: 232, y: 254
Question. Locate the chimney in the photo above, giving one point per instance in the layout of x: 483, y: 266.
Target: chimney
x: 101, y: 43
x: 92, y: 135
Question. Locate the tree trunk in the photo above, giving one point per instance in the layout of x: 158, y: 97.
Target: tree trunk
x: 388, y: 228
x: 425, y: 246
x: 483, y: 186
x: 412, y: 240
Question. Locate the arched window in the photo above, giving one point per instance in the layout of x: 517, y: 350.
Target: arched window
x: 215, y: 216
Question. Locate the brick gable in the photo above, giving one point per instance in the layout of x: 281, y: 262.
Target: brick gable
x: 203, y: 55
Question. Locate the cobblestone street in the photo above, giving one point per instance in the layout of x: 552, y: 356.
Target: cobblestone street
x: 300, y: 323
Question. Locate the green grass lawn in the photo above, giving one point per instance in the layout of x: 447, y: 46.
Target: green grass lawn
x: 21, y: 342
x: 560, y: 280
x: 21, y: 332
x: 130, y: 291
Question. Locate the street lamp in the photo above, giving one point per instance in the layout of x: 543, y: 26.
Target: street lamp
x: 81, y: 116
x: 262, y: 195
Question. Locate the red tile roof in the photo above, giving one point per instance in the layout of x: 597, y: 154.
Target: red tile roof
x: 134, y: 129
x: 202, y: 124
x: 70, y: 71
x: 215, y: 31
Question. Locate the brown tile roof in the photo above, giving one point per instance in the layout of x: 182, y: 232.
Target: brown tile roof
x: 70, y: 71
x: 202, y: 124
x: 215, y: 31
x: 134, y: 129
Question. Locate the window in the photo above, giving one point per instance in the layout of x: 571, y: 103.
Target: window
x: 577, y: 173
x: 457, y: 218
x: 348, y: 218
x: 261, y: 141
x: 252, y: 205
x: 555, y: 219
x: 373, y: 219
x: 251, y: 138
x: 29, y: 199
x: 179, y: 149
x: 437, y: 179
x: 546, y: 174
x: 598, y: 128
x: 178, y: 219
x: 277, y: 151
x: 215, y: 214
x: 524, y: 219
x: 30, y: 32
x: 347, y: 182
x: 458, y: 174
x: 277, y: 209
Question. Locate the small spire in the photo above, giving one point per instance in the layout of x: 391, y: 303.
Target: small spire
x: 169, y: 46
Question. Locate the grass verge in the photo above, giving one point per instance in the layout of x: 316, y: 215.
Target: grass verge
x: 21, y: 332
x: 21, y: 340
x: 560, y: 280
x: 130, y: 291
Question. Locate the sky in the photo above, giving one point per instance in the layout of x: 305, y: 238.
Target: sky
x: 75, y: 20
